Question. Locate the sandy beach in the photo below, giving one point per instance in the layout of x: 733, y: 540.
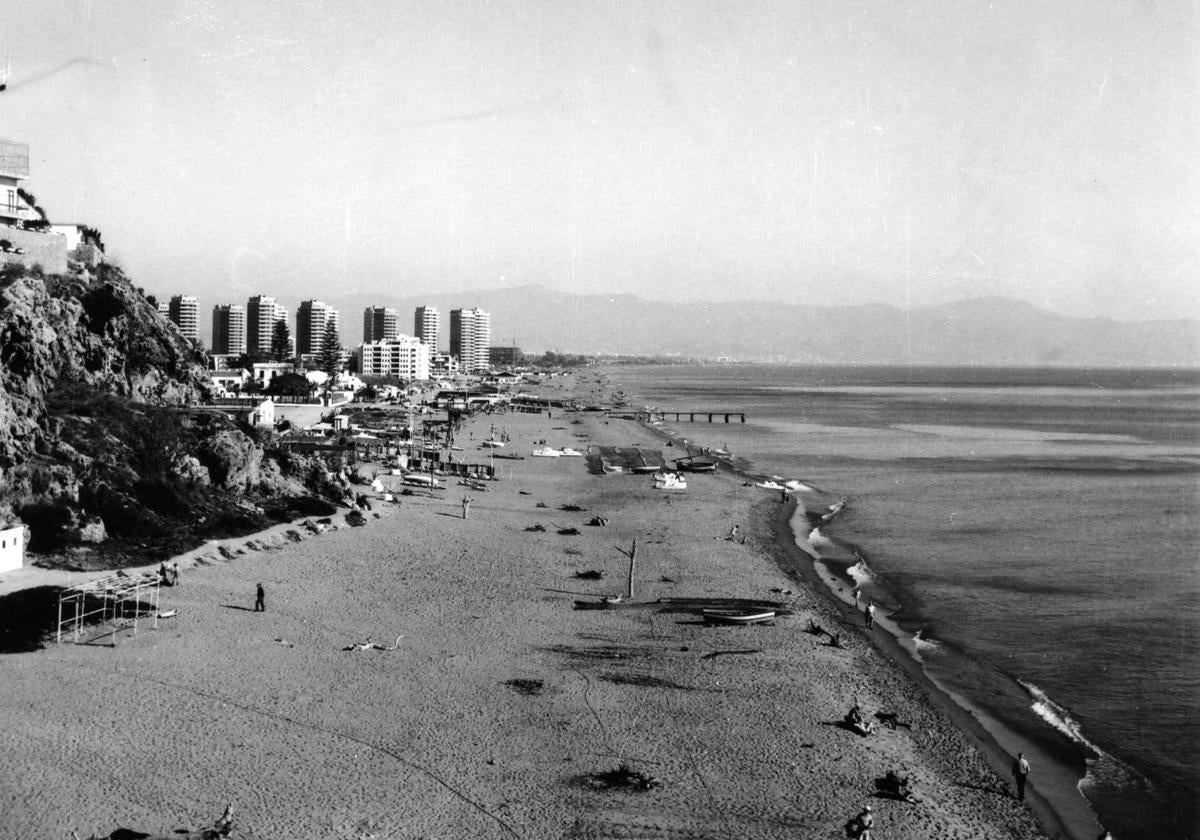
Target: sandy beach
x: 502, y: 706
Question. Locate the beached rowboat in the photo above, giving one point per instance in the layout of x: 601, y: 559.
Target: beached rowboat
x: 714, y: 616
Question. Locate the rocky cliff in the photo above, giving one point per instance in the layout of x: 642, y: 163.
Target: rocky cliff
x: 105, y: 443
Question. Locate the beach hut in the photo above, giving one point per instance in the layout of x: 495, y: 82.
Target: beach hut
x: 12, y: 548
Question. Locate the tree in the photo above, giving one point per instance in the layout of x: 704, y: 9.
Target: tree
x: 330, y: 355
x: 281, y: 342
x: 290, y: 385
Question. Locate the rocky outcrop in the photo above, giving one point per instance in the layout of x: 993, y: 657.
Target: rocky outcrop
x: 104, y: 335
x: 232, y: 460
x: 104, y: 440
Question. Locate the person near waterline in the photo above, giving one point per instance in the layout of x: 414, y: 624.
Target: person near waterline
x: 260, y: 596
x: 1020, y: 773
x: 870, y: 615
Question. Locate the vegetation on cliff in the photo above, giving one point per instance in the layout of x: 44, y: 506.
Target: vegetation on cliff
x: 107, y: 451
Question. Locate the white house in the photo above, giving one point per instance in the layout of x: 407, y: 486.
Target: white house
x: 262, y: 414
x: 12, y: 548
x: 228, y: 382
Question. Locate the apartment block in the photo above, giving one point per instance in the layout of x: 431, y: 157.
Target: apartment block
x: 262, y: 312
x: 380, y: 324
x: 184, y: 311
x: 470, y: 338
x: 427, y: 326
x: 312, y: 319
x: 404, y: 356
x: 228, y: 329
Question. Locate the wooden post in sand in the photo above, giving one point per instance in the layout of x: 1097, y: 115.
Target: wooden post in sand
x: 632, y: 555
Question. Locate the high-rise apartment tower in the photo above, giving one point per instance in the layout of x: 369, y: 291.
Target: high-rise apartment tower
x: 229, y: 329
x: 261, y: 314
x: 184, y: 310
x: 470, y: 337
x: 427, y: 326
x: 312, y: 318
x: 380, y: 324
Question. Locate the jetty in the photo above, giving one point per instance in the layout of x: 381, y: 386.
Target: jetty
x: 690, y: 416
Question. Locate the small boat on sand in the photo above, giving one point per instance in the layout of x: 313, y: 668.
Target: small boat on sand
x: 736, y: 616
x: 696, y: 463
x: 546, y: 452
x: 421, y: 480
x: 492, y: 444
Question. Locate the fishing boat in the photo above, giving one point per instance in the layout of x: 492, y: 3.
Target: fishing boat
x: 422, y: 480
x: 644, y: 464
x: 736, y: 616
x: 568, y: 452
x: 546, y: 452
x: 492, y: 444
x: 696, y: 464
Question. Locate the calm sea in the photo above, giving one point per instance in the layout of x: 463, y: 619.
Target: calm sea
x: 1034, y: 535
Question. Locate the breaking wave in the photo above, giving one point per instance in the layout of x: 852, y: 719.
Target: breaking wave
x: 1057, y: 716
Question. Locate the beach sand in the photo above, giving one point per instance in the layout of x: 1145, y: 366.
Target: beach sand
x: 502, y: 706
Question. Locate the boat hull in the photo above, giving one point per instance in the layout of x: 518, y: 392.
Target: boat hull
x: 737, y: 617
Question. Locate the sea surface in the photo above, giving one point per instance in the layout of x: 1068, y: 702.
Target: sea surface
x: 1032, y: 535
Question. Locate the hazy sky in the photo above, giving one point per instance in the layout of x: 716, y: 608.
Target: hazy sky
x: 825, y: 152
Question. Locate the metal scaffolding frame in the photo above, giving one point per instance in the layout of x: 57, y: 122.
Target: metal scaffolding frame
x: 115, y: 600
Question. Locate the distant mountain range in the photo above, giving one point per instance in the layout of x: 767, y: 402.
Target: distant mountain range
x: 986, y: 331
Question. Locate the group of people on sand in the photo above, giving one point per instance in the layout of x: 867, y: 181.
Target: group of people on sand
x: 854, y: 720
x: 168, y: 576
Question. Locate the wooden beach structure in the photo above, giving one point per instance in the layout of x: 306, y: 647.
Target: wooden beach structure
x: 115, y: 601
x: 650, y: 416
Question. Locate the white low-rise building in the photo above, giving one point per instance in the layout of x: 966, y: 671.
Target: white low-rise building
x: 404, y: 357
x: 12, y: 548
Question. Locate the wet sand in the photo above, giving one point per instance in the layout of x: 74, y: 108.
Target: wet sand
x: 502, y: 706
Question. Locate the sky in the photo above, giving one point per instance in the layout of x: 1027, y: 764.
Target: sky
x: 831, y: 153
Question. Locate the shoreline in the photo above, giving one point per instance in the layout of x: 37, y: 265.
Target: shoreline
x: 797, y: 563
x: 794, y: 560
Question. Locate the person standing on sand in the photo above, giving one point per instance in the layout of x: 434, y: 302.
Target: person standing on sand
x: 260, y: 599
x: 1020, y: 773
x: 175, y: 574
x: 466, y: 503
x: 870, y: 615
x: 860, y: 827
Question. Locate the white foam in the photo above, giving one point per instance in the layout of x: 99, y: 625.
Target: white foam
x: 817, y: 539
x: 921, y: 643
x: 1057, y: 716
x: 860, y: 572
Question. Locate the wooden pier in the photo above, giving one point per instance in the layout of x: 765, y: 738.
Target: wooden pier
x: 690, y: 416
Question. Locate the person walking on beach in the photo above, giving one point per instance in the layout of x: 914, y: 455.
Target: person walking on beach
x: 870, y: 615
x: 466, y: 503
x: 1020, y: 773
x: 175, y: 574
x: 260, y: 596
